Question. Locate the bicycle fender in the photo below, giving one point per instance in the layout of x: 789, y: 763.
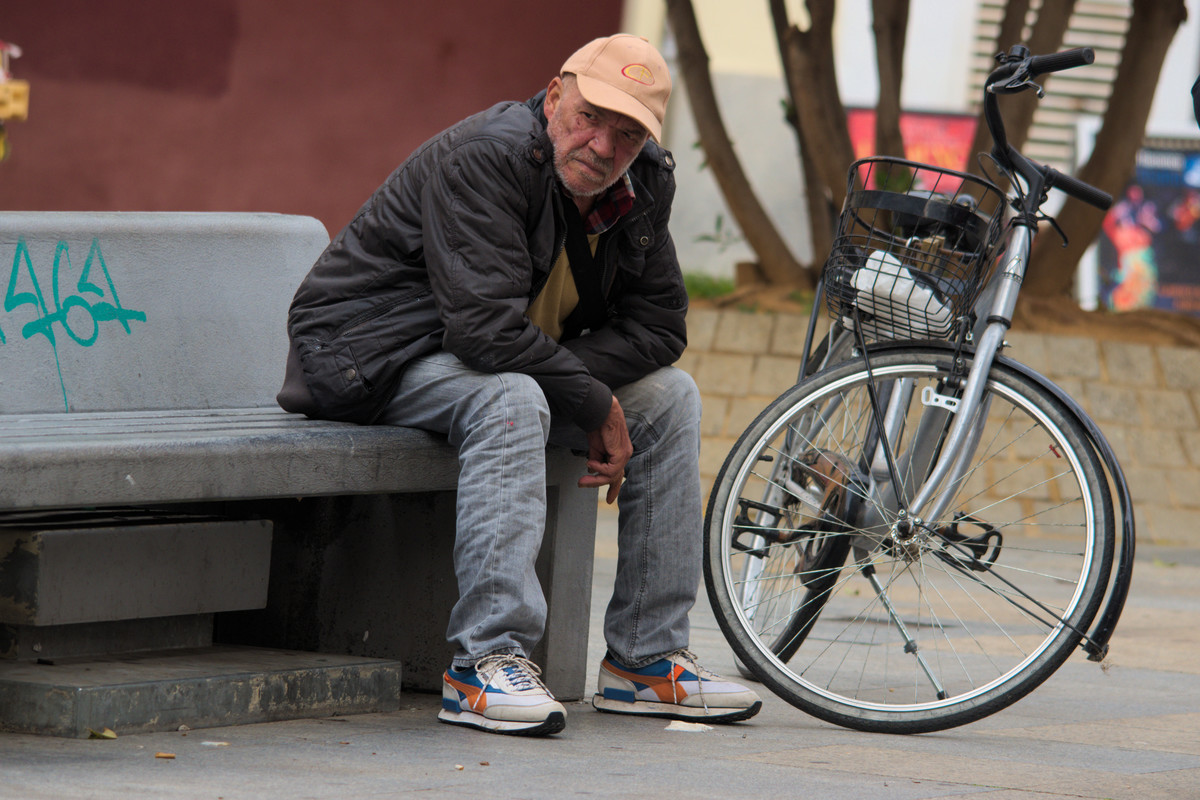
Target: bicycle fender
x: 1102, y: 630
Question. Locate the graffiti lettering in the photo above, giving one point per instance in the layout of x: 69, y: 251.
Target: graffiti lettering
x: 92, y: 303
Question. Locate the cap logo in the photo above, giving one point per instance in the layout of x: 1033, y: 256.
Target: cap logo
x: 640, y: 73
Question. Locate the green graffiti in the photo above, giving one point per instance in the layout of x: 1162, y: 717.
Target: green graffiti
x: 53, y: 314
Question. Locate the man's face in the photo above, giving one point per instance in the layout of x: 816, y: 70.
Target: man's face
x: 592, y: 146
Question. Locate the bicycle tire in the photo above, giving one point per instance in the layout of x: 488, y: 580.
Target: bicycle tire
x: 991, y: 615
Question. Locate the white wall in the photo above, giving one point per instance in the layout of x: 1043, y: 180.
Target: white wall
x: 1171, y: 114
x: 936, y: 57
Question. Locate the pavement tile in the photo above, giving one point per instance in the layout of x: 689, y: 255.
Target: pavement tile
x: 1174, y: 733
x: 1156, y: 638
x: 1176, y: 784
x: 996, y: 772
x: 1011, y: 794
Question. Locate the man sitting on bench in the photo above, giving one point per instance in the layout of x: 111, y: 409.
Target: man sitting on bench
x: 513, y: 283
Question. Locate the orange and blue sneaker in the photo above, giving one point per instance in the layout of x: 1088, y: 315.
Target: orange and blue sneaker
x: 675, y: 687
x: 501, y: 694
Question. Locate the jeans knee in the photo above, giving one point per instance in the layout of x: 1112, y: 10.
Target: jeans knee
x: 663, y: 403
x: 688, y: 391
x: 520, y: 403
x: 681, y: 395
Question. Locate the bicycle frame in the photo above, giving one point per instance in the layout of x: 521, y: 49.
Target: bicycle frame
x: 945, y: 473
x: 958, y: 444
x: 993, y: 312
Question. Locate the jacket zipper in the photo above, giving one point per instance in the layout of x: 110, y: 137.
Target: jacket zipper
x: 363, y: 318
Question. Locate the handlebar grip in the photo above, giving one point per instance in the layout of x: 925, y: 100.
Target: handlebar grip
x: 1078, y: 189
x: 1056, y: 62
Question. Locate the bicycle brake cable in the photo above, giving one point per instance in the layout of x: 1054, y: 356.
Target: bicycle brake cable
x: 1041, y: 216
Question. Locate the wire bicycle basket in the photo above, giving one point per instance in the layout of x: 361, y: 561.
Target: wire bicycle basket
x: 913, y: 248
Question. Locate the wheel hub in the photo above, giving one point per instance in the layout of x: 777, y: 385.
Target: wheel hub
x: 908, y: 537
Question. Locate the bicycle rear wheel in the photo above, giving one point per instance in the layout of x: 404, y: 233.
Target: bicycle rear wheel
x: 863, y: 617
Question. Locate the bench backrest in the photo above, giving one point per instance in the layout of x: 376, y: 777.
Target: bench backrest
x: 143, y: 311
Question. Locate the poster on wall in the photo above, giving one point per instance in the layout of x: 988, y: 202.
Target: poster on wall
x: 1148, y: 248
x: 943, y: 140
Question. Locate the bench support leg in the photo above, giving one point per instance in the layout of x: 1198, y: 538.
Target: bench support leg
x: 374, y: 576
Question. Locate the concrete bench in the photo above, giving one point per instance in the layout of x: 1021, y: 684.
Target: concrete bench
x: 174, y: 548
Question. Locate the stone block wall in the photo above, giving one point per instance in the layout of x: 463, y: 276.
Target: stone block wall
x: 1146, y: 399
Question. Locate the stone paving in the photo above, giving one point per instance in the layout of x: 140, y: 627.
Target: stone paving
x: 1128, y: 729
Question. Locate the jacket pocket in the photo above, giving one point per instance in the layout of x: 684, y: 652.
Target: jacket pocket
x: 336, y: 381
x: 351, y: 375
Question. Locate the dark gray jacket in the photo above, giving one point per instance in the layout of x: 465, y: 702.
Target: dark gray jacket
x: 449, y: 252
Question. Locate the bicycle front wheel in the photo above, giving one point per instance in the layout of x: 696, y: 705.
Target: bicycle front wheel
x: 865, y: 616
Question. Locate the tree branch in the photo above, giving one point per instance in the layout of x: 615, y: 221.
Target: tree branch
x: 776, y: 259
x: 890, y: 25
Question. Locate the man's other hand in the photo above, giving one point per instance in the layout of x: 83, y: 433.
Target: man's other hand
x: 609, y: 450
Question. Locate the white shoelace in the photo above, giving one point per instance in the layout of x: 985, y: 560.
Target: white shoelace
x: 687, y: 656
x: 520, y: 673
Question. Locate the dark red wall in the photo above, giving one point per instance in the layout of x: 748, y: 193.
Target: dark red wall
x: 294, y: 106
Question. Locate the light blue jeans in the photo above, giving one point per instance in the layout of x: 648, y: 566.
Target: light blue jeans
x: 501, y: 425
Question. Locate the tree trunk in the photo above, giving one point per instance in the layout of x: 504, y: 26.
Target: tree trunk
x: 817, y: 195
x: 812, y: 78
x: 890, y: 25
x: 778, y: 264
x: 1152, y: 26
x: 1046, y: 37
x: 821, y: 214
x: 1011, y: 28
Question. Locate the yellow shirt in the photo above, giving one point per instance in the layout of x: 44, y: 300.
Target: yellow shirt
x: 558, y: 298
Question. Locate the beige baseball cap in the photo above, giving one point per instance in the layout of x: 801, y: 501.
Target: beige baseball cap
x: 626, y: 74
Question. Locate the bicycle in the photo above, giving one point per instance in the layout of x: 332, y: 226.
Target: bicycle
x: 920, y: 531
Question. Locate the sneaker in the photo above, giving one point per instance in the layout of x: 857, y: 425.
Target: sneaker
x: 675, y: 687
x: 501, y: 694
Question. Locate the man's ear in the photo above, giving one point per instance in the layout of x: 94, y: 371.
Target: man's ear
x: 554, y: 93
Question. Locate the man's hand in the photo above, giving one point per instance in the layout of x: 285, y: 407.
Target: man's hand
x: 609, y: 450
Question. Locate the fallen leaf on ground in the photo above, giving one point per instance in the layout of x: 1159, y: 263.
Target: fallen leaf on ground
x: 691, y: 727
x: 107, y: 733
x: 164, y: 755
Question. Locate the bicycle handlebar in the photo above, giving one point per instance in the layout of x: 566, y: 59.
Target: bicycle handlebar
x: 1015, y: 74
x: 1078, y: 189
x: 1057, y: 62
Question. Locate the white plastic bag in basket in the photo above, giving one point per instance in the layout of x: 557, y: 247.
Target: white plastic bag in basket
x: 887, y: 291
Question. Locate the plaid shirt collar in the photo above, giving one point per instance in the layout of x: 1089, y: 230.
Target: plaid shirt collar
x: 610, y: 207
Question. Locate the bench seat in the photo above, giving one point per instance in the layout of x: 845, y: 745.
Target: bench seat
x: 119, y: 458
